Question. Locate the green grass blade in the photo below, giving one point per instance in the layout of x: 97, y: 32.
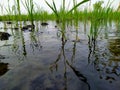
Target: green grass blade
x: 77, y: 5
x: 52, y: 8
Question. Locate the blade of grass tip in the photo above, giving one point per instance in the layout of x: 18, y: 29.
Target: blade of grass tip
x: 77, y: 5
x: 9, y: 9
x: 38, y: 8
x: 6, y: 10
x: 1, y: 8
x: 55, y: 8
x: 109, y: 3
x: 52, y: 8
x: 24, y: 5
x: 108, y: 6
x: 31, y: 6
x: 64, y: 5
x: 27, y: 5
x: 18, y: 7
x: 68, y: 5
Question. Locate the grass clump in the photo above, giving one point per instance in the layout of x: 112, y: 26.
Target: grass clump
x: 29, y: 6
x: 63, y: 14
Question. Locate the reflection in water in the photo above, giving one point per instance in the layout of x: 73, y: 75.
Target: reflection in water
x: 62, y: 55
x: 105, y: 58
x: 65, y: 60
x: 35, y: 42
x: 92, y: 38
x: 114, y: 47
x: 23, y: 44
x: 79, y: 75
x: 3, y: 68
x: 69, y: 68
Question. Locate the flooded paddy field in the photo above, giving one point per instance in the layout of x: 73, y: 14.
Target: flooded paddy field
x: 55, y: 57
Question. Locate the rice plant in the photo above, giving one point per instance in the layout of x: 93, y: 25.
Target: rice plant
x: 29, y: 6
x: 60, y: 15
x: 102, y: 13
x: 41, y: 14
x: 1, y: 7
x: 9, y: 11
x: 63, y: 13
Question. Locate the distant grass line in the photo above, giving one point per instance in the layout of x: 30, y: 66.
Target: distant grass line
x: 25, y: 17
x: 98, y: 13
x: 81, y: 15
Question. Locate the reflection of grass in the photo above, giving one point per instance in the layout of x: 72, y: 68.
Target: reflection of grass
x: 35, y: 42
x: 62, y: 57
x: 114, y: 46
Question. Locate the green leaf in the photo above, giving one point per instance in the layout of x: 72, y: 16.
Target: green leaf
x: 77, y: 5
x: 53, y: 8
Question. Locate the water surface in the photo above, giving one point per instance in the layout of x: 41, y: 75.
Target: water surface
x: 44, y: 59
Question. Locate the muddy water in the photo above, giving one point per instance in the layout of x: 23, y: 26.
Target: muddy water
x: 45, y: 60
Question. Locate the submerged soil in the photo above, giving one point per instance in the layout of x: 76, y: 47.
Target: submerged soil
x: 46, y: 59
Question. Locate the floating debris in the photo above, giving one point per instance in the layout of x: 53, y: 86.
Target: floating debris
x: 15, y: 28
x: 77, y: 40
x: 4, y: 36
x: 28, y: 27
x: 9, y: 22
x: 3, y: 68
x: 24, y: 28
x: 44, y: 24
x: 55, y: 26
x: 2, y: 57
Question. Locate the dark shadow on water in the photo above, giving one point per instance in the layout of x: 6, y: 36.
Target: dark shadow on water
x: 3, y: 68
x: 4, y: 36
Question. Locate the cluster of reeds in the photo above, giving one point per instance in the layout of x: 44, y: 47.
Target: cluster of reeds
x: 64, y: 14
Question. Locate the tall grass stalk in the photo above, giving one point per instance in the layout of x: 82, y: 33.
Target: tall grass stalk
x: 41, y: 14
x: 102, y: 13
x: 29, y: 6
x: 1, y: 8
x: 95, y: 30
x: 9, y: 10
x: 54, y: 9
x: 63, y: 10
x: 18, y: 7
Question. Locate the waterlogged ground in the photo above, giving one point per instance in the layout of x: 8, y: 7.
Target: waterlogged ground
x: 44, y: 59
